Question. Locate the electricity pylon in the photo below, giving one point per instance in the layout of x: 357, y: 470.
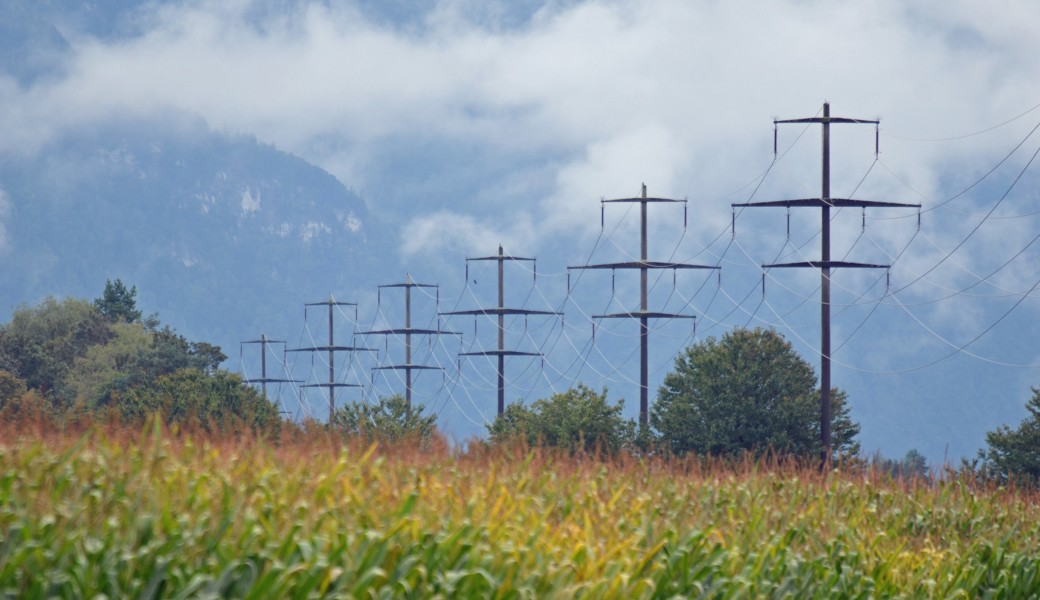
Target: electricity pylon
x: 643, y: 314
x: 332, y: 349
x: 501, y: 311
x: 407, y: 331
x: 825, y: 264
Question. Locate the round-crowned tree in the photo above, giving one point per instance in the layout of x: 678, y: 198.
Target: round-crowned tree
x: 747, y: 392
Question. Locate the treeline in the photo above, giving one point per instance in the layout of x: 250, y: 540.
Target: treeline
x: 72, y: 361
x: 747, y: 393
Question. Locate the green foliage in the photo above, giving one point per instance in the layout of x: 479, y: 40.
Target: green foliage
x: 748, y: 392
x: 578, y: 419
x: 93, y: 375
x: 389, y: 420
x: 218, y: 402
x: 172, y: 352
x: 11, y: 388
x: 913, y: 465
x: 71, y: 351
x: 117, y: 303
x: 136, y: 358
x: 42, y: 342
x: 1014, y: 454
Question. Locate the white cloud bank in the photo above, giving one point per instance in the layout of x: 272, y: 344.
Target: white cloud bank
x: 587, y: 100
x: 664, y: 89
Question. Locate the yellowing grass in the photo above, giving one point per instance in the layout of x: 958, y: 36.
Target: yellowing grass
x: 162, y: 517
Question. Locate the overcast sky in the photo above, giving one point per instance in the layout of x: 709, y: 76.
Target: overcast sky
x: 477, y: 123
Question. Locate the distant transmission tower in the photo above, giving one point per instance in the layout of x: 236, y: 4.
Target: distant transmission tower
x: 263, y: 380
x: 501, y: 311
x: 407, y: 331
x: 825, y: 264
x: 644, y: 315
x: 332, y: 349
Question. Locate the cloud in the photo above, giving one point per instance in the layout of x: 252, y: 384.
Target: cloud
x: 461, y: 235
x: 538, y: 113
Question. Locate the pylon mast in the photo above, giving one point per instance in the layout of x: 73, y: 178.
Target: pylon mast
x: 501, y: 311
x: 332, y: 349
x: 644, y: 314
x: 825, y: 264
x: 407, y: 331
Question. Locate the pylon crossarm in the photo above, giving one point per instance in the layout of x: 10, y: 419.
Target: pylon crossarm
x: 829, y: 202
x: 408, y: 285
x: 270, y: 380
x: 406, y: 367
x: 671, y: 200
x: 332, y: 349
x: 826, y: 264
x: 645, y: 264
x: 408, y: 330
x: 331, y: 385
x: 500, y: 311
x: 502, y: 257
x: 826, y: 120
x: 500, y: 353
x: 643, y: 314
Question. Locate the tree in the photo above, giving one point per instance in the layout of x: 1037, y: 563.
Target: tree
x: 171, y: 352
x: 748, y: 392
x: 118, y: 303
x: 115, y: 364
x: 1014, y: 454
x: 136, y: 357
x: 389, y: 420
x: 17, y: 404
x: 215, y: 402
x: 913, y: 465
x: 42, y: 342
x: 578, y: 419
x: 11, y: 388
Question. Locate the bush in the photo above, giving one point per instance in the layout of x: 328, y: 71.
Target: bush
x: 390, y: 420
x: 576, y: 420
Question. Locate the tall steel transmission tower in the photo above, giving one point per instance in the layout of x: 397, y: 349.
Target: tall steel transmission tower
x: 408, y: 331
x: 643, y: 265
x: 825, y: 202
x: 332, y: 349
x: 501, y: 311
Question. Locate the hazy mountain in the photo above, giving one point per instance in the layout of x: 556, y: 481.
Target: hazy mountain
x: 222, y: 235
x: 225, y: 237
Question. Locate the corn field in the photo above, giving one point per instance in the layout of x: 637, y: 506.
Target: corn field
x: 162, y: 516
